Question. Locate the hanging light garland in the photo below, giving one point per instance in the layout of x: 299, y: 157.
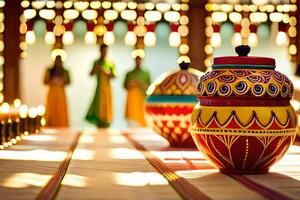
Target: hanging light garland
x: 30, y: 35
x: 237, y: 39
x: 90, y: 37
x: 150, y: 37
x: 174, y: 37
x: 216, y: 36
x: 246, y: 18
x: 49, y: 36
x: 252, y: 38
x: 68, y: 36
x: 141, y: 21
x: 282, y: 37
x: 109, y: 37
x: 130, y: 38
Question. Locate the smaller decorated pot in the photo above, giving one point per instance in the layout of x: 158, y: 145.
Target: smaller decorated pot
x: 244, y: 121
x: 170, y: 102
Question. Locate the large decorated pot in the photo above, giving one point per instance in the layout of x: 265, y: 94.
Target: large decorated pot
x: 170, y: 102
x: 244, y: 122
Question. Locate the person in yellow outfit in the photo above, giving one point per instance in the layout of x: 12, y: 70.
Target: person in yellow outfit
x: 57, y: 77
x: 100, y: 112
x: 136, y: 84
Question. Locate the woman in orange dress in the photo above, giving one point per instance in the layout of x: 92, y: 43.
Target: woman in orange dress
x: 57, y: 77
x: 136, y: 84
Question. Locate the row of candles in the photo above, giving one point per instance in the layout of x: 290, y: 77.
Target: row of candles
x: 17, y: 121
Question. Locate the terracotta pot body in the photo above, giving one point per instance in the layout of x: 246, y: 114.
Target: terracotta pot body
x: 170, y: 102
x: 244, y: 122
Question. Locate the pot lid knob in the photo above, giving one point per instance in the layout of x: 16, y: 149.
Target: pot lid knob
x: 184, y: 65
x: 242, y: 50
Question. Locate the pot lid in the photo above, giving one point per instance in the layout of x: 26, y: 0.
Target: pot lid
x: 179, y: 82
x: 243, y: 60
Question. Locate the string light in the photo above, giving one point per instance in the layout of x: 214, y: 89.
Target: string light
x: 150, y: 37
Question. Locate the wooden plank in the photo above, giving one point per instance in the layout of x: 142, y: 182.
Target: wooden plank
x: 113, y: 169
x: 28, y: 166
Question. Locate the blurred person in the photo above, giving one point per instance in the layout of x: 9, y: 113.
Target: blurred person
x: 57, y: 77
x: 136, y: 83
x: 100, y: 111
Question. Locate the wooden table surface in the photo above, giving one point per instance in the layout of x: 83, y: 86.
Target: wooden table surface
x: 130, y: 164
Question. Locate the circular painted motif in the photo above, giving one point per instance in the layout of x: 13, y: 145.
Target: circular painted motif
x: 273, y: 90
x: 201, y: 88
x: 284, y: 90
x: 258, y: 90
x: 211, y: 88
x: 224, y: 90
x: 241, y: 88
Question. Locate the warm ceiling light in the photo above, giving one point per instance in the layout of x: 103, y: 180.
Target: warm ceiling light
x: 153, y: 16
x: 119, y: 6
x: 71, y: 14
x: 47, y: 14
x: 95, y: 4
x: 110, y: 14
x: 106, y: 4
x: 129, y: 15
x: 25, y: 4
x: 89, y: 14
x: 184, y: 7
x: 38, y: 4
x: 276, y: 16
x: 184, y: 20
x: 260, y: 2
x: 29, y: 13
x: 141, y: 6
x: 219, y: 16
x: 286, y: 7
x: 253, y: 8
x: 68, y: 4
x: 176, y: 6
x: 140, y: 31
x: 81, y: 5
x: 293, y: 8
x: 59, y: 5
x: 140, y: 21
x: 184, y: 49
x: 149, y: 6
x: 132, y: 5
x: 172, y: 16
x: 226, y: 7
x: 270, y: 8
x: 50, y: 4
x: 163, y: 7
x: 235, y: 17
x: 258, y: 17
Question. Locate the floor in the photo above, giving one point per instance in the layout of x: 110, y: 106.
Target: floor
x: 129, y: 164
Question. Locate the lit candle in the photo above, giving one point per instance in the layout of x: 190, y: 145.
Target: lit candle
x: 23, y: 112
x: 32, y: 114
x: 40, y: 117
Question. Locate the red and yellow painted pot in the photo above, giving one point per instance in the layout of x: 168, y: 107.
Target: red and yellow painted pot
x: 244, y: 122
x: 170, y: 102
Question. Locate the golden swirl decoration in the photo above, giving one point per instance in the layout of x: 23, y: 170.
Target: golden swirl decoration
x: 245, y: 82
x: 180, y: 82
